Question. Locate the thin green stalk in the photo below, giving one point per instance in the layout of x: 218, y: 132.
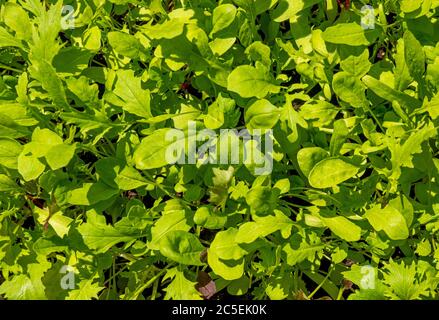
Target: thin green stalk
x: 113, y: 150
x: 3, y: 66
x: 368, y: 109
x: 320, y: 285
x: 114, y: 287
x: 154, y: 290
x: 340, y: 293
x: 116, y: 274
x: 140, y: 289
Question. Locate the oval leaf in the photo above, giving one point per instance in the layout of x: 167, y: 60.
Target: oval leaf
x: 262, y: 115
x: 309, y: 157
x: 388, y: 219
x: 351, y: 34
x: 331, y: 172
x: 343, y: 228
x: 248, y: 82
x: 155, y: 151
x: 182, y: 247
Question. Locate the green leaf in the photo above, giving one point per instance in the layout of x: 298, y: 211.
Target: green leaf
x: 343, y: 228
x: 220, y: 46
x: 215, y: 116
x: 59, y: 222
x: 283, y: 185
x: 404, y: 206
x: 30, y: 167
x: 248, y: 232
x: 223, y: 16
x: 7, y: 185
x: 182, y: 247
x: 357, y: 65
x: 366, y: 278
x: 92, y: 38
x: 171, y: 28
x: 261, y: 199
x: 221, y: 180
x: 162, y: 147
x: 414, y: 56
x: 402, y: 154
x: 287, y: 9
x: 100, y: 169
x: 350, y: 89
x: 95, y: 123
x: 331, y: 172
x: 71, y: 60
x: 27, y: 286
x: 278, y: 288
x: 432, y: 107
x: 403, y: 281
x: 307, y: 158
x: 81, y: 88
x: 389, y: 94
x: 228, y: 270
x: 225, y: 246
x: 45, y: 44
x: 9, y: 152
x: 11, y: 129
x: 129, y: 178
x: 299, y: 249
x: 101, y: 237
x: 261, y: 115
x: 351, y: 34
x: 87, y: 289
x: 60, y: 155
x: 17, y: 19
x: 248, y: 81
x: 258, y: 51
x: 339, y: 136
x: 410, y: 5
x: 8, y: 40
x: 319, y: 113
x: 402, y: 73
x: 239, y: 286
x: 423, y: 248
x: 91, y: 193
x: 124, y: 44
x: 388, y: 219
x: 14, y: 116
x: 263, y: 5
x: 180, y: 287
x: 133, y: 98
x: 45, y: 73
x: 114, y: 173
x: 46, y: 137
x: 209, y: 219
x: 168, y: 222
x: 21, y: 287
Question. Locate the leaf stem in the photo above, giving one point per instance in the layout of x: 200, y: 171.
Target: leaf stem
x: 320, y: 285
x: 151, y: 281
x: 10, y: 68
x: 340, y: 293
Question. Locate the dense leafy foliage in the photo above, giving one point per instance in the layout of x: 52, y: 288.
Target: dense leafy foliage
x: 89, y: 90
